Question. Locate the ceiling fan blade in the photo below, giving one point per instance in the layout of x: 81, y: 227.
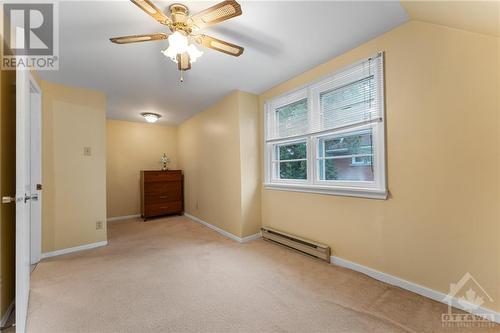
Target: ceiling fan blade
x: 138, y: 38
x: 219, y: 45
x: 153, y: 11
x: 183, y: 62
x: 215, y: 14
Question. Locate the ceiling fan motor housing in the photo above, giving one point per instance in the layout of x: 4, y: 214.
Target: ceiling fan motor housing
x: 179, y: 13
x: 179, y: 16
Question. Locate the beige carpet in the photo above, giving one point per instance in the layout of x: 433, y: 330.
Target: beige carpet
x: 174, y: 275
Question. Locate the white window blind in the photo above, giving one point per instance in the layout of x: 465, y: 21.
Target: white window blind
x: 350, y: 97
x: 350, y: 104
x: 288, y: 116
x: 292, y: 119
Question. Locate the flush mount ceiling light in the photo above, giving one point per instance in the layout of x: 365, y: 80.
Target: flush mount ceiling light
x: 184, y: 27
x: 151, y: 117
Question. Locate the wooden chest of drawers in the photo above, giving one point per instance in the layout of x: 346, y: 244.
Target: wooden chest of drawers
x: 162, y: 193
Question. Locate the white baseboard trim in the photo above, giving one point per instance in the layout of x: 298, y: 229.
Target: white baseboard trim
x: 251, y: 237
x: 413, y: 287
x: 7, y: 313
x: 74, y: 249
x: 224, y: 232
x: 126, y: 217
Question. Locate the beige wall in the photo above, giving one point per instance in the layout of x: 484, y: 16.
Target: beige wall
x: 498, y: 151
x: 441, y: 219
x: 209, y: 155
x: 132, y: 147
x: 249, y: 163
x: 74, y: 192
x: 217, y: 158
x: 7, y: 186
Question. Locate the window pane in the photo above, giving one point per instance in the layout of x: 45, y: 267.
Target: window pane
x: 362, y: 160
x: 357, y: 143
x: 291, y: 160
x: 293, y: 170
x: 347, y: 157
x: 292, y: 152
x: 292, y: 118
x: 343, y: 169
x: 349, y: 104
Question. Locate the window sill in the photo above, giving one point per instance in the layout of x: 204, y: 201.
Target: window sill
x: 330, y: 190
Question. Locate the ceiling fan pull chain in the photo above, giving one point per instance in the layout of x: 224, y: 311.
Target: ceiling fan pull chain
x: 182, y: 78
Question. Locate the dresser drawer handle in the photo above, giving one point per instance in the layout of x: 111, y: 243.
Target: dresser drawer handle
x: 163, y: 197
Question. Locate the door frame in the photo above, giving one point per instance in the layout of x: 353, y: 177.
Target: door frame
x: 25, y: 81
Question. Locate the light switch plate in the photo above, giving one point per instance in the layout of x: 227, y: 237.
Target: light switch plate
x: 87, y: 151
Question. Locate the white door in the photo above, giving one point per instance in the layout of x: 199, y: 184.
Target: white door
x: 25, y: 191
x: 36, y: 171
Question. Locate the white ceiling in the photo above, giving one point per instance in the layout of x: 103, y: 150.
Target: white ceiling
x: 281, y: 39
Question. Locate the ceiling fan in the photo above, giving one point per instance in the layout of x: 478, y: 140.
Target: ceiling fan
x: 184, y: 28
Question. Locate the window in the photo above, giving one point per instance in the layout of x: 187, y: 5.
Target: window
x: 328, y: 137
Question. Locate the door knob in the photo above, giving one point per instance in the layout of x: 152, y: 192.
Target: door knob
x: 6, y: 200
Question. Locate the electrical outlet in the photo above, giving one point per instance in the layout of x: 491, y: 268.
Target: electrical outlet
x: 87, y: 151
x: 98, y: 225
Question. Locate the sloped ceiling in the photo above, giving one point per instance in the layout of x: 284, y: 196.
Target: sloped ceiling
x: 476, y: 16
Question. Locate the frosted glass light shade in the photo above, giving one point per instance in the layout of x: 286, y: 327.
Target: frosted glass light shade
x: 151, y: 117
x: 194, y: 53
x: 178, y: 44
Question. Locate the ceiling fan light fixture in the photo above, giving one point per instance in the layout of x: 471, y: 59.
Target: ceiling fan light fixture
x: 178, y: 43
x: 151, y: 117
x: 193, y: 52
x: 170, y: 53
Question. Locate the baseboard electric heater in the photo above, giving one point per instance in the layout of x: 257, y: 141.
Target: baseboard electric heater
x: 308, y: 247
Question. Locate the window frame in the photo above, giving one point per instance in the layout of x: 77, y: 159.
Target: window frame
x: 376, y: 189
